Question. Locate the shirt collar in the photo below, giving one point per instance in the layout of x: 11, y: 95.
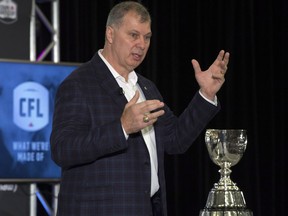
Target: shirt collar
x: 132, y: 76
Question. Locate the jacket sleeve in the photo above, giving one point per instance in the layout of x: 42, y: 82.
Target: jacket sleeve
x: 182, y: 131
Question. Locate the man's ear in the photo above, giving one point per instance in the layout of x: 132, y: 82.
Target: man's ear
x: 109, y: 34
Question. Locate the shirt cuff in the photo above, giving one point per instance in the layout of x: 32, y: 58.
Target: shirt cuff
x: 214, y: 102
x: 125, y: 134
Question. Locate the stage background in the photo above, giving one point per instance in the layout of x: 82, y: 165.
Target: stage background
x: 254, y: 96
x: 15, y: 29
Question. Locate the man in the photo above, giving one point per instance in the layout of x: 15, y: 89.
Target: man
x: 111, y: 127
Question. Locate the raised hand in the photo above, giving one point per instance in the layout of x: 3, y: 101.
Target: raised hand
x: 211, y: 80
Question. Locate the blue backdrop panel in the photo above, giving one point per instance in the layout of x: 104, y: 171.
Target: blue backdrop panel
x: 27, y: 92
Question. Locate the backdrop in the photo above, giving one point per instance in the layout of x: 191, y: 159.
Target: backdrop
x: 254, y: 96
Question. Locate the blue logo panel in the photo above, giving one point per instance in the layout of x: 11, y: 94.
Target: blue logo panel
x: 27, y: 92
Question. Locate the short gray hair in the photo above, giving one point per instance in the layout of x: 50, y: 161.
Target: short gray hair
x: 117, y: 13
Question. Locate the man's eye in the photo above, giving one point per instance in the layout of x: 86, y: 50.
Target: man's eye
x: 133, y: 35
x: 147, y: 38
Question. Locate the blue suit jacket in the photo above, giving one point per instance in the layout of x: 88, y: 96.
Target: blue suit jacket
x: 104, y: 174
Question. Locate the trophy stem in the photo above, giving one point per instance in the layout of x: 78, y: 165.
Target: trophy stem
x: 225, y: 183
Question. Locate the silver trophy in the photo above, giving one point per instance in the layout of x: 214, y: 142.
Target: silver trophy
x: 226, y: 148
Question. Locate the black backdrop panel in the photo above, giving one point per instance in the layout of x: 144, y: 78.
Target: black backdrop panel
x: 15, y: 29
x: 14, y: 199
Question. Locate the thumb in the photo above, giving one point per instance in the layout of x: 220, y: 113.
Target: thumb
x: 134, y: 99
x: 196, y: 66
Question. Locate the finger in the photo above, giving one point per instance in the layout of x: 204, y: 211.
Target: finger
x: 196, y: 66
x: 223, y: 69
x: 226, y: 58
x: 134, y: 99
x: 151, y: 118
x: 156, y: 114
x: 151, y: 106
x: 220, y: 56
x: 224, y: 63
x: 223, y: 56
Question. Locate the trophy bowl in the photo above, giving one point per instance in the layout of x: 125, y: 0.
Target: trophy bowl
x: 226, y: 148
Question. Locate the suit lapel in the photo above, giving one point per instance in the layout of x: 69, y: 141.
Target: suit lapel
x: 113, y: 89
x: 145, y: 89
x: 108, y: 82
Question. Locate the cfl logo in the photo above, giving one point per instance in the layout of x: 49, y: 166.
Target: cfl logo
x: 31, y: 106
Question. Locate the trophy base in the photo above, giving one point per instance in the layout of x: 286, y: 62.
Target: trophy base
x: 224, y: 202
x: 223, y: 212
x: 225, y: 199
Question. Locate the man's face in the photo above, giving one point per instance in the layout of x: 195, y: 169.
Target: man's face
x: 129, y: 43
